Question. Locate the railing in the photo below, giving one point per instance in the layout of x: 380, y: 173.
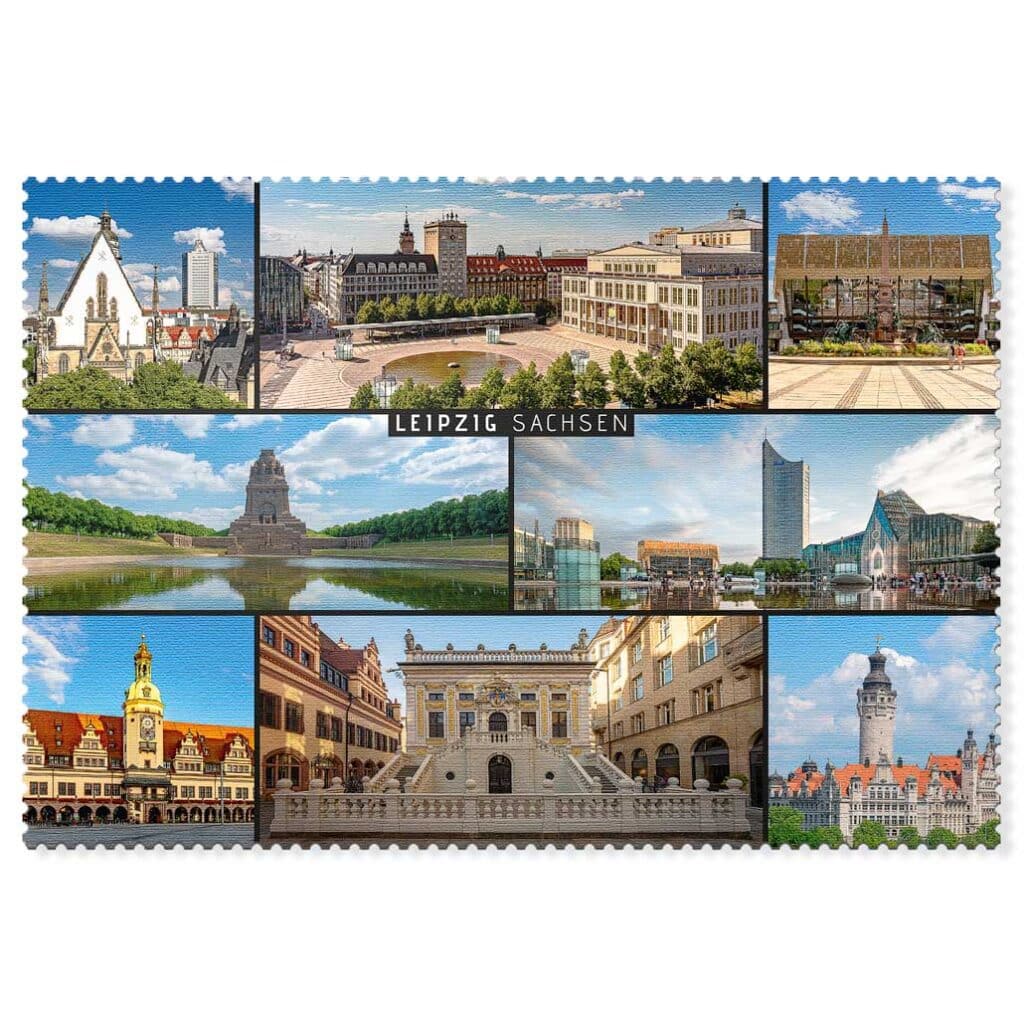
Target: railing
x: 583, y: 778
x: 441, y: 657
x: 376, y: 782
x: 333, y: 812
x: 413, y: 784
x: 617, y: 774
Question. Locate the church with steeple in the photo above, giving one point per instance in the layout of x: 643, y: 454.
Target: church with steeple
x: 98, y: 321
x: 955, y: 792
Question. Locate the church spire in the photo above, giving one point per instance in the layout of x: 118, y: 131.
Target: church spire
x: 44, y: 293
x: 406, y: 239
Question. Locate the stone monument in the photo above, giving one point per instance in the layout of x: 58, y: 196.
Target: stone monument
x: 267, y: 526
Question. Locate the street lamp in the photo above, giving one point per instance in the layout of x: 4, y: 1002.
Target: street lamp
x: 351, y: 697
x: 384, y: 386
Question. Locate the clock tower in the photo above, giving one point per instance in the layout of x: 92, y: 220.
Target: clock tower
x: 446, y: 240
x: 147, y: 782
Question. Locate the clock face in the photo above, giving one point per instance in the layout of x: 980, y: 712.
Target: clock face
x: 147, y: 722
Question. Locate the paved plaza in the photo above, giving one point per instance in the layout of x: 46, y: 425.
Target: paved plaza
x: 144, y: 835
x: 315, y: 380
x: 856, y: 384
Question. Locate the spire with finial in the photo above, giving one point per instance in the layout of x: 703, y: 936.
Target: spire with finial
x: 406, y: 239
x: 44, y: 292
x: 157, y: 319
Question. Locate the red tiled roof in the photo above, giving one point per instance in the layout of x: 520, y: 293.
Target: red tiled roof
x: 510, y: 264
x: 867, y: 773
x: 73, y: 725
x: 564, y: 262
x: 344, y: 659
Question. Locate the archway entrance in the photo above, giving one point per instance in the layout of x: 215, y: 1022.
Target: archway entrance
x: 711, y: 760
x: 666, y: 763
x: 499, y: 774
x: 155, y: 817
x: 497, y: 722
x: 638, y: 764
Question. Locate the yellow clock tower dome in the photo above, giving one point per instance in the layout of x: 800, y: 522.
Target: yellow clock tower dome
x: 143, y: 716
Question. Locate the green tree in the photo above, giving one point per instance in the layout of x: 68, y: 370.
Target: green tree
x: 499, y: 305
x: 592, y: 385
x: 524, y: 389
x: 558, y: 390
x: 611, y: 565
x: 940, y: 837
x: 986, y: 539
x: 388, y: 311
x: 410, y: 395
x: 708, y: 369
x: 747, y: 369
x: 166, y: 386
x: 785, y: 827
x: 909, y: 836
x: 665, y: 380
x: 406, y: 307
x: 515, y: 305
x: 444, y: 306
x: 988, y: 834
x: 491, y: 387
x: 626, y: 382
x: 826, y: 835
x: 483, y: 306
x: 369, y: 313
x: 736, y: 569
x: 870, y: 834
x: 364, y: 398
x: 451, y: 391
x: 464, y: 307
x: 28, y: 363
x: 425, y: 306
x: 88, y: 388
x: 544, y: 310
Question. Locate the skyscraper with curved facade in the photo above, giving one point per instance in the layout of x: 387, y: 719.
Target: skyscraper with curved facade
x: 785, y: 505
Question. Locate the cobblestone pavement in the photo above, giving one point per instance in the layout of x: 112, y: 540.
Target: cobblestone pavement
x: 314, y: 380
x: 874, y: 386
x: 145, y: 835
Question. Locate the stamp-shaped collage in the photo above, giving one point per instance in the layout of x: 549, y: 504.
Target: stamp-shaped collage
x: 520, y: 513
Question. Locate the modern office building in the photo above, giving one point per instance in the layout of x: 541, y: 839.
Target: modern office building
x: 651, y: 295
x: 200, y: 287
x: 785, y: 505
x: 661, y: 558
x: 577, y: 554
x: 533, y: 554
x: 913, y: 281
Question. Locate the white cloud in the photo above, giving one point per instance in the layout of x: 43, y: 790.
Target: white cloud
x: 237, y: 188
x: 469, y: 464
x: 191, y: 425
x: 248, y: 422
x: 954, y: 194
x: 43, y: 423
x: 214, y: 517
x: 212, y: 238
x: 827, y: 208
x: 233, y: 291
x: 307, y: 206
x: 45, y: 661
x: 62, y: 264
x: 952, y: 471
x: 104, y: 431
x: 959, y: 634
x: 579, y: 200
x: 142, y: 282
x: 147, y: 471
x: 72, y: 229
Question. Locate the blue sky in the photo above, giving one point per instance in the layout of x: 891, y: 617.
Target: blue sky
x: 339, y: 468
x: 698, y: 478
x: 84, y: 663
x: 436, y: 631
x: 368, y: 215
x: 933, y: 207
x: 942, y: 667
x: 156, y: 223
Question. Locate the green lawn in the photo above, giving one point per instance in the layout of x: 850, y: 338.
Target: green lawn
x: 462, y: 547
x: 67, y: 545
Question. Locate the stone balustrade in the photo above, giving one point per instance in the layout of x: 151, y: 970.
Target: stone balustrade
x: 332, y: 813
x: 501, y: 657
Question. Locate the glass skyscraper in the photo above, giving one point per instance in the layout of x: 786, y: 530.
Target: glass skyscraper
x: 785, y: 505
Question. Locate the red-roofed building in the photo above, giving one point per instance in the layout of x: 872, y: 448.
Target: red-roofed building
x: 520, y: 277
x: 958, y: 792
x: 138, y: 767
x: 554, y: 267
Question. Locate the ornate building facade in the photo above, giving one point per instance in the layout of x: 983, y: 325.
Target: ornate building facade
x: 517, y: 277
x: 955, y: 792
x: 651, y: 295
x: 137, y: 767
x: 681, y: 696
x: 99, y: 320
x: 324, y: 709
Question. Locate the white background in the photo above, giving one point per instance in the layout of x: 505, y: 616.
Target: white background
x: 515, y: 89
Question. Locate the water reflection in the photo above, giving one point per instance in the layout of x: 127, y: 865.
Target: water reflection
x: 781, y: 598
x: 264, y: 584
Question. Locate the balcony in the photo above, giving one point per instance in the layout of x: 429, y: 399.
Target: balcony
x: 745, y: 651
